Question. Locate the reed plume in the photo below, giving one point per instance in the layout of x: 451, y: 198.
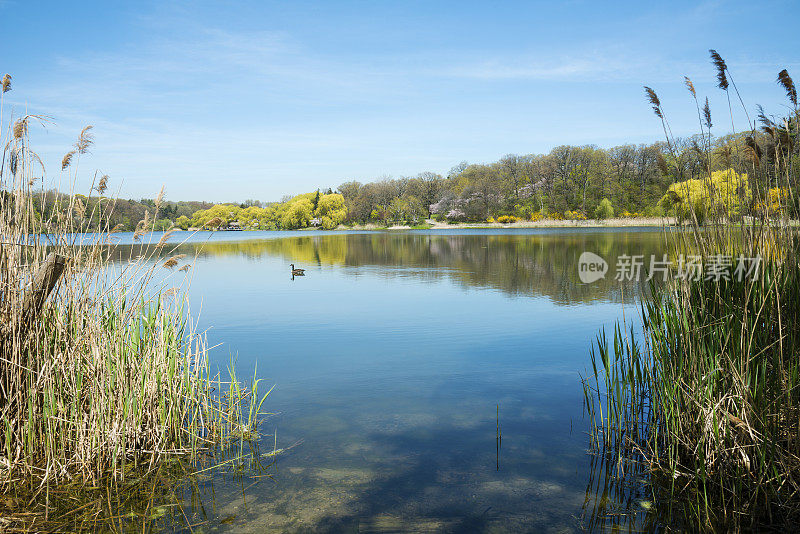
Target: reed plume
x: 85, y: 140
x: 168, y: 293
x: 67, y: 159
x: 754, y: 151
x: 173, y: 261
x: 141, y: 226
x: 6, y: 83
x: 722, y: 67
x: 707, y: 114
x: 21, y: 128
x: 762, y: 117
x: 788, y: 84
x: 79, y: 208
x: 652, y: 97
x: 690, y: 86
x: 102, y: 184
x: 159, y: 199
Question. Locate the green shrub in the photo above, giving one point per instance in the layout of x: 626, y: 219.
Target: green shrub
x: 604, y: 210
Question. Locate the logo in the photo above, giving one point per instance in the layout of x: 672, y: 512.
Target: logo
x: 591, y: 267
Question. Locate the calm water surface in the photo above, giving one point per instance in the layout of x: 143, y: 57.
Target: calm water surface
x: 390, y: 359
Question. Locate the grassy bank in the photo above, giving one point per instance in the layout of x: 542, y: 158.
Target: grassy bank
x: 704, y: 405
x: 103, y: 379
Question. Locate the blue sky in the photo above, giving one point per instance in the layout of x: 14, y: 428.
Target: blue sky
x: 234, y: 100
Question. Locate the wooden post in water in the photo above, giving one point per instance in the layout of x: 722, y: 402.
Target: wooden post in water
x: 40, y: 287
x: 42, y: 284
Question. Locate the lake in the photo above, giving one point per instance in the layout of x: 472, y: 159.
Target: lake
x: 391, y: 361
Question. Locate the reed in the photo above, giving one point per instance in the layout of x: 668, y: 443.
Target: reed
x: 704, y: 403
x: 104, y: 378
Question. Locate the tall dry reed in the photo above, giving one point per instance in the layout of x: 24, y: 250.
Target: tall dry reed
x: 102, y: 374
x: 704, y: 405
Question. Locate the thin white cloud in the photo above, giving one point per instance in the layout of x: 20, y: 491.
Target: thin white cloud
x: 527, y: 68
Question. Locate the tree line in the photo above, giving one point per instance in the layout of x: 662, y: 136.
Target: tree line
x: 98, y: 212
x: 569, y: 182
x: 575, y: 182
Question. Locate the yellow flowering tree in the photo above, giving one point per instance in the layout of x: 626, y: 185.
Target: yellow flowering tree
x: 216, y: 216
x: 777, y: 201
x: 724, y: 193
x: 297, y: 214
x: 331, y: 211
x: 255, y: 218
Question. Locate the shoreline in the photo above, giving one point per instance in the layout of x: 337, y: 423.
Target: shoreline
x: 641, y: 222
x: 655, y: 222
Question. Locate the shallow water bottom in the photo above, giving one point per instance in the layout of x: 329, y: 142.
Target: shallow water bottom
x: 391, y: 359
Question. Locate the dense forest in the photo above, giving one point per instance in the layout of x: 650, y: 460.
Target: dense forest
x: 100, y: 212
x: 579, y: 182
x: 570, y: 182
